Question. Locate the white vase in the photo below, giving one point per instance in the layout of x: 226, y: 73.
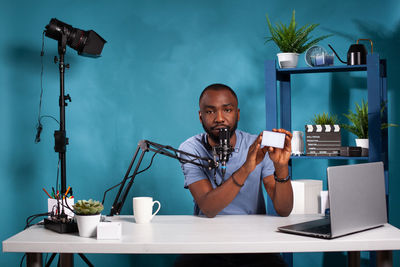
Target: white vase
x: 297, y: 143
x: 87, y: 224
x: 364, y: 143
x: 288, y: 60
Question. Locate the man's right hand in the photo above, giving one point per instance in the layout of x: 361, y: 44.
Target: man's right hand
x: 255, y: 154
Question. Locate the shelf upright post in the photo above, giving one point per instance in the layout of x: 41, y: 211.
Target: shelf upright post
x: 285, y: 101
x: 271, y: 95
x: 384, y: 119
x: 374, y: 108
x: 271, y: 107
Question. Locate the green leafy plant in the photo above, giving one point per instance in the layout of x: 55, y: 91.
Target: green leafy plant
x: 325, y: 118
x: 290, y: 39
x: 88, y: 207
x: 359, y: 120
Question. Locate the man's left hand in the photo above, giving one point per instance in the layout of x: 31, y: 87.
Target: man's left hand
x: 281, y: 156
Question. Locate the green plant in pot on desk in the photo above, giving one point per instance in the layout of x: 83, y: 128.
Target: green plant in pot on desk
x: 359, y: 125
x: 323, y: 137
x: 87, y: 214
x: 292, y: 40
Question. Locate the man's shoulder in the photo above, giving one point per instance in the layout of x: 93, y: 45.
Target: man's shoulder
x: 245, y: 136
x: 192, y: 142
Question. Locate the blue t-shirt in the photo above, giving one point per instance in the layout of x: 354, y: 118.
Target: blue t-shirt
x: 250, y: 199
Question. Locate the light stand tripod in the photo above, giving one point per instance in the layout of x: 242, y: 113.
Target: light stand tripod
x: 61, y: 223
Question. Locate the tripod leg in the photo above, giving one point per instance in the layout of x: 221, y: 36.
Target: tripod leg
x: 51, y: 259
x: 85, y: 260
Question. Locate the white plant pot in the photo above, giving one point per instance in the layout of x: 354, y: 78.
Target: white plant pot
x: 87, y: 224
x: 288, y: 60
x: 364, y: 143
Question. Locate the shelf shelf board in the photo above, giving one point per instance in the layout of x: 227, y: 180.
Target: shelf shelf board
x: 343, y: 68
x: 326, y: 157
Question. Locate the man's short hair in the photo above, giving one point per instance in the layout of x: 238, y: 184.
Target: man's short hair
x: 218, y: 87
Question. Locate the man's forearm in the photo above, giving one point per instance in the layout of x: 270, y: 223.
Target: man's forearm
x: 214, y: 201
x: 283, y: 192
x: 283, y: 198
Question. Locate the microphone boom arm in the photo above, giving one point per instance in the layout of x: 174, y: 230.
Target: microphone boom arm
x: 146, y: 146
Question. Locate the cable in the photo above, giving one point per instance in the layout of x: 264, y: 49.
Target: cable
x: 130, y: 177
x: 58, y: 172
x: 48, y: 116
x: 22, y: 260
x: 39, y: 126
x: 35, y: 216
x: 151, y: 162
x: 67, y: 206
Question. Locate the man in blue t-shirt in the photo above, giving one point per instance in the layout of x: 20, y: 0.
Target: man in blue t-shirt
x: 239, y: 191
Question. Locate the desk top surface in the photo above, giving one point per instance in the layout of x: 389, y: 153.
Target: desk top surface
x: 177, y: 234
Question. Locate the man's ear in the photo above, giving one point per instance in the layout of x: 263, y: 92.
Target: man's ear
x: 238, y: 114
x: 200, y: 118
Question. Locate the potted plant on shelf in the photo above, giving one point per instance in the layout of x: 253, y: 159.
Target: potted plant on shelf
x: 292, y: 40
x: 323, y: 137
x: 87, y: 214
x: 359, y: 123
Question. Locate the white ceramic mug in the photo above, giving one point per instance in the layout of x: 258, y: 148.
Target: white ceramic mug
x: 143, y: 209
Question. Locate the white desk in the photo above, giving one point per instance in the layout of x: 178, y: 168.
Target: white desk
x: 180, y: 234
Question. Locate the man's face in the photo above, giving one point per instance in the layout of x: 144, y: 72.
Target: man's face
x: 218, y: 109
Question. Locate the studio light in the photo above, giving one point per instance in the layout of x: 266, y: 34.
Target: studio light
x: 87, y: 43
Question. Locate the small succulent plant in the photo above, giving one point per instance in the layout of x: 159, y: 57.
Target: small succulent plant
x: 88, y: 207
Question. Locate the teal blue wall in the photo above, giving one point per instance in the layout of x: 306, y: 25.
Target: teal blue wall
x: 158, y: 58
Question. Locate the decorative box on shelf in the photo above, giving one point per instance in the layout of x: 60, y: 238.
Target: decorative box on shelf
x: 323, y: 140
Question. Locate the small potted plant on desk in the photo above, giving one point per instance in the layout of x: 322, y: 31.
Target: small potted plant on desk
x: 359, y: 125
x: 291, y: 40
x: 323, y: 137
x: 87, y: 214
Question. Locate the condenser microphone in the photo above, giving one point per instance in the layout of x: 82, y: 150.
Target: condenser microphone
x: 224, y: 149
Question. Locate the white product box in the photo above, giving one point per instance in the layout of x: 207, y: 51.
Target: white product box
x: 52, y: 205
x: 306, y: 193
x: 273, y: 139
x: 324, y: 201
x: 109, y: 230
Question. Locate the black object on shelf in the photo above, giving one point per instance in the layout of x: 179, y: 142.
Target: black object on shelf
x: 350, y: 151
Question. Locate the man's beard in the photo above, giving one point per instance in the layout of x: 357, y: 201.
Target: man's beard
x: 214, y: 137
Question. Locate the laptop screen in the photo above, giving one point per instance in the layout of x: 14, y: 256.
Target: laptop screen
x: 357, y: 197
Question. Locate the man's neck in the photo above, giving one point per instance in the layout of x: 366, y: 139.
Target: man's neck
x: 232, y: 140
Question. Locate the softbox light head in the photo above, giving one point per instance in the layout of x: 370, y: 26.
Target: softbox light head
x: 87, y: 43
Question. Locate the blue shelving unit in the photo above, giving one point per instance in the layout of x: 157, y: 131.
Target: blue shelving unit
x: 278, y: 88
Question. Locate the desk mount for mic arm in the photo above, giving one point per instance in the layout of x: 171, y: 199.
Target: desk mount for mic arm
x: 146, y: 146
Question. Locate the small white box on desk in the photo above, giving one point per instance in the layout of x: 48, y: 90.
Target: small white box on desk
x: 306, y: 193
x: 109, y: 230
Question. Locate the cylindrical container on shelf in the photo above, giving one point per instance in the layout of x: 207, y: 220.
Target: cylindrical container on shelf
x: 297, y: 143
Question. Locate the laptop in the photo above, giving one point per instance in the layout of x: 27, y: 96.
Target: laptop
x: 357, y: 202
